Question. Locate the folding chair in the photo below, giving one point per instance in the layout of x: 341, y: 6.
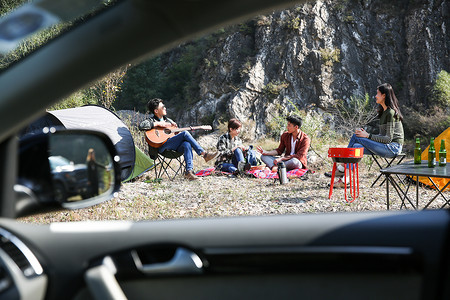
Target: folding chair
x: 386, y: 162
x: 164, y: 164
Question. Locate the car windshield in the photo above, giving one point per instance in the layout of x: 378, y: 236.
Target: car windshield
x: 252, y: 118
x: 24, y: 27
x: 58, y: 161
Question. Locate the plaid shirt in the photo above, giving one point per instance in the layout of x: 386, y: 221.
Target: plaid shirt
x: 148, y: 123
x: 225, y: 147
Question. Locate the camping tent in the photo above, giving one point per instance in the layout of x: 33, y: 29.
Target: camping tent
x: 440, y: 182
x: 133, y: 161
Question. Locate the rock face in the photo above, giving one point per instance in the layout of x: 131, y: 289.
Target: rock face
x: 321, y: 51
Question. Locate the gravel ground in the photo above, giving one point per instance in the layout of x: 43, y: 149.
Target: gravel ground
x: 222, y: 196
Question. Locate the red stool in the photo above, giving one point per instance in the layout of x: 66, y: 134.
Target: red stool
x: 351, y: 157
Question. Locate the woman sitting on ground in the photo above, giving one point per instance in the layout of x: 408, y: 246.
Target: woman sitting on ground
x: 389, y: 141
x: 231, y: 151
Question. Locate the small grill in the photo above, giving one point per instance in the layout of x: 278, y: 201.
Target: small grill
x: 350, y: 157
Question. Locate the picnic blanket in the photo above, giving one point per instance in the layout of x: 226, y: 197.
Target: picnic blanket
x: 264, y: 173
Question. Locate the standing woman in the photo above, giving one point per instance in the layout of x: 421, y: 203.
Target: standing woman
x: 92, y: 172
x: 389, y: 141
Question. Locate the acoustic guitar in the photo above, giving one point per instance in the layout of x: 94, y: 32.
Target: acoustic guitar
x: 157, y: 136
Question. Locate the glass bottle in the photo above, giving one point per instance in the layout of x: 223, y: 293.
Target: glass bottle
x: 431, y: 155
x: 442, y: 154
x: 417, y: 154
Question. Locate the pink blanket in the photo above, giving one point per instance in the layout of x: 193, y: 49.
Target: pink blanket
x: 265, y: 173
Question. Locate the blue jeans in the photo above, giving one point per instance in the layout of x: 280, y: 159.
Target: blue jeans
x: 183, y: 142
x: 291, y: 164
x: 376, y: 148
x: 238, y: 156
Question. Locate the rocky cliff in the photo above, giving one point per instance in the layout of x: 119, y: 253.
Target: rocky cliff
x: 317, y: 52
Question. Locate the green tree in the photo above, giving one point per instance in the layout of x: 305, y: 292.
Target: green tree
x: 141, y: 83
x: 106, y: 89
x: 77, y: 99
x: 171, y: 76
x: 441, y: 90
x: 180, y: 79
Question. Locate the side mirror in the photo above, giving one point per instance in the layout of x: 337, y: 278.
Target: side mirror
x: 67, y: 169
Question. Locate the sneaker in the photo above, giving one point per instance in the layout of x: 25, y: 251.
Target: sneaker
x: 190, y: 175
x: 338, y: 173
x: 340, y: 184
x: 235, y: 174
x: 243, y: 166
x: 208, y: 155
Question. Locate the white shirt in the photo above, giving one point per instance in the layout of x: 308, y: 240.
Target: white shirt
x: 293, y: 143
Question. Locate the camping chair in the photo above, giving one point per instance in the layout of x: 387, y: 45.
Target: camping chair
x: 163, y: 162
x: 385, y: 162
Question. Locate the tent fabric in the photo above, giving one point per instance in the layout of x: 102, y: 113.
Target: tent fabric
x: 48, y: 120
x: 142, y: 164
x: 93, y: 117
x: 440, y: 182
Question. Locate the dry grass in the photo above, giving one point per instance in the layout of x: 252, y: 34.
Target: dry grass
x: 222, y: 196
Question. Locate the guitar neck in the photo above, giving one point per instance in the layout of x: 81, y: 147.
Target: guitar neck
x: 190, y: 128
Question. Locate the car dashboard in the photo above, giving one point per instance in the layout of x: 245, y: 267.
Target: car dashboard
x: 21, y: 273
x: 393, y: 255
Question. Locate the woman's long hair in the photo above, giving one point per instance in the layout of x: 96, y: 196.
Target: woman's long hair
x: 91, y: 155
x: 390, y: 100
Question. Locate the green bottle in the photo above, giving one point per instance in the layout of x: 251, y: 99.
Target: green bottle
x: 431, y: 155
x: 442, y: 154
x: 417, y: 154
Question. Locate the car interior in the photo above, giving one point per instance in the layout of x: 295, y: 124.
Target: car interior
x: 372, y: 255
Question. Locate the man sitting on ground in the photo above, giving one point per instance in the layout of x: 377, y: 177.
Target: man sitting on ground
x: 294, y: 143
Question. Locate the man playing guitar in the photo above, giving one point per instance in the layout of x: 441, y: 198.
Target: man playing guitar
x: 181, y: 142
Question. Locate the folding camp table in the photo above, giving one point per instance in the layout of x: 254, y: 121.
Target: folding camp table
x: 387, y: 161
x: 413, y: 170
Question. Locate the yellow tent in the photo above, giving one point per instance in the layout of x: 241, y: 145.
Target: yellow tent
x: 440, y: 182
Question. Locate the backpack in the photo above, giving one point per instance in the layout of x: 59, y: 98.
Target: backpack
x: 252, y: 158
